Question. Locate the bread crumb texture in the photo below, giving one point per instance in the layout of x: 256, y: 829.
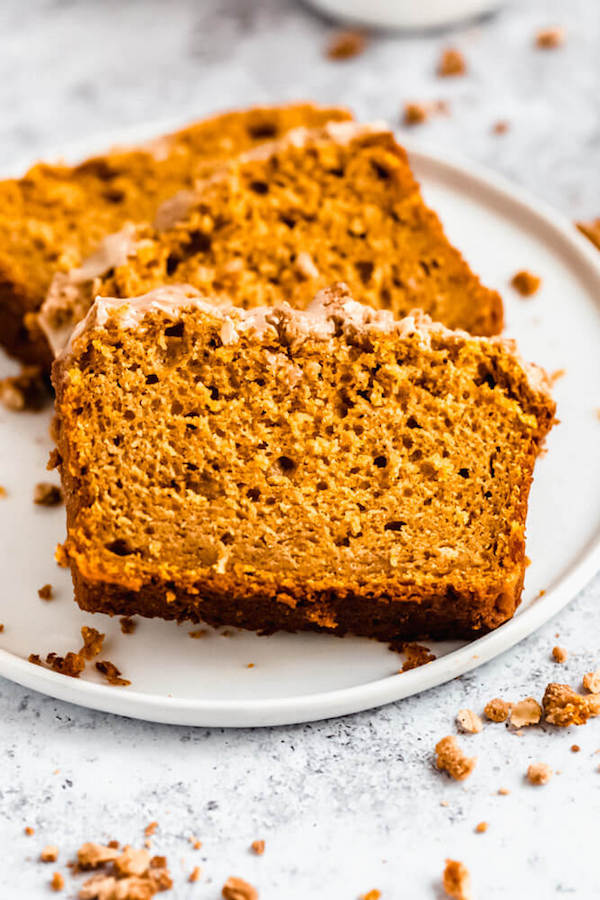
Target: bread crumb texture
x: 217, y: 467
x: 559, y: 654
x: 346, y: 44
x: 526, y: 283
x: 550, y: 38
x: 57, y: 882
x: 26, y: 392
x: 497, y: 710
x: 468, y: 721
x: 127, y: 874
x: 452, y: 62
x: 258, y: 847
x: 539, y: 773
x: 238, y: 889
x: 451, y: 759
x: 591, y: 682
x: 563, y: 706
x: 526, y: 712
x: 49, y: 854
x: 457, y: 880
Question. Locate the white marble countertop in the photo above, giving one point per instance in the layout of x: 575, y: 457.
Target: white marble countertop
x: 352, y: 804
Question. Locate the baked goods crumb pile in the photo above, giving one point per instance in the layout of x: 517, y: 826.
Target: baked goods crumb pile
x: 248, y: 428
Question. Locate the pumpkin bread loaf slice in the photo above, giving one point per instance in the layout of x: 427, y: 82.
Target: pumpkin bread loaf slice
x: 338, y: 203
x: 56, y: 215
x: 331, y: 469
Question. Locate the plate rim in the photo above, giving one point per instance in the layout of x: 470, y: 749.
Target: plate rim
x: 317, y: 706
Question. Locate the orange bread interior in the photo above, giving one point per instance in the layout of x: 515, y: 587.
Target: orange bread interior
x: 334, y: 469
x: 338, y: 203
x: 54, y: 216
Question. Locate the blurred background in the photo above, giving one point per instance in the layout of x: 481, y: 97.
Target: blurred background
x: 86, y: 69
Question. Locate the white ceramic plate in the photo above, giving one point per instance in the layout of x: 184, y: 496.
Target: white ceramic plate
x: 297, y: 678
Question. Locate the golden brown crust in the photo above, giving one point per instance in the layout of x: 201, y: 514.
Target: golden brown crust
x: 55, y: 215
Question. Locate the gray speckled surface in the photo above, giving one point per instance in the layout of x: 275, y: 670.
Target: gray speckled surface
x: 351, y: 804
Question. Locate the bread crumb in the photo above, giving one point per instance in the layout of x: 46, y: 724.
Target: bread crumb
x: 47, y: 494
x: 526, y: 712
x: 24, y: 392
x: 416, y: 113
x: 591, y: 682
x: 481, y: 827
x: 132, y: 862
x: 504, y: 792
x: 558, y: 373
x: 346, y: 44
x: 128, y: 625
x: 457, y: 880
x: 238, y: 889
x: 58, y: 882
x: 451, y: 759
x: 539, y: 773
x: 451, y: 63
x: 198, y: 633
x: 45, y: 592
x: 196, y: 844
x: 563, y: 706
x: 195, y: 874
x: 526, y: 283
x: 550, y: 38
x: 249, y: 665
x: 111, y: 673
x: 129, y: 874
x: 258, y: 847
x: 150, y: 829
x: 2, y: 491
x: 468, y: 721
x: 497, y: 710
x: 29, y: 831
x: 49, y: 854
x: 500, y: 127
x: 91, y: 855
x: 371, y: 895
x: 444, y: 803
x: 591, y: 230
x: 92, y: 642
x: 575, y: 748
x: 1, y: 627
x: 415, y: 654
x: 559, y: 654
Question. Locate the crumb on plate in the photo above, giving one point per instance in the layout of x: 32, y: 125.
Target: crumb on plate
x: 526, y: 283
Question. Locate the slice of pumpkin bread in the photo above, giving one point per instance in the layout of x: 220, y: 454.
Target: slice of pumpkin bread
x: 288, y: 219
x: 272, y: 469
x: 56, y: 215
